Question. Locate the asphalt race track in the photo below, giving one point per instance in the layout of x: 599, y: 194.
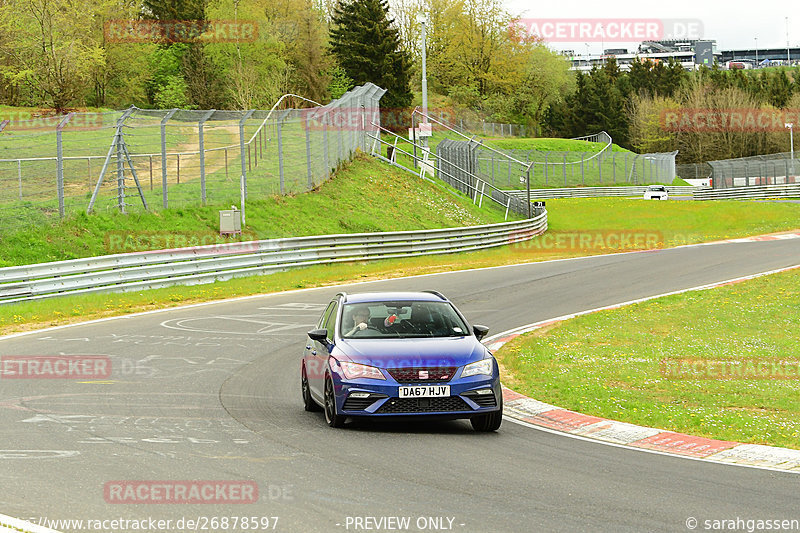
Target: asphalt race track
x: 212, y: 392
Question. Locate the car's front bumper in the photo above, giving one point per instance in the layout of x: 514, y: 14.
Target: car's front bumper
x: 464, y: 400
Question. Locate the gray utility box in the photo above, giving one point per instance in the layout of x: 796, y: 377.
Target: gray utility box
x: 230, y: 222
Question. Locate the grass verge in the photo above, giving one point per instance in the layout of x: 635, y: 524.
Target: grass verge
x: 347, y: 203
x: 674, y: 223
x: 719, y: 363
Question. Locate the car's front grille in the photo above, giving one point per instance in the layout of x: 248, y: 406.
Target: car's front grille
x: 422, y: 374
x: 424, y: 405
x: 360, y: 404
x: 483, y: 400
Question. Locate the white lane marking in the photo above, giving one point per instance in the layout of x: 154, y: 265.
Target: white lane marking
x: 282, y: 293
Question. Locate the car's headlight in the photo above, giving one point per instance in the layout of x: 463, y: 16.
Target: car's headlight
x: 356, y: 371
x: 484, y: 366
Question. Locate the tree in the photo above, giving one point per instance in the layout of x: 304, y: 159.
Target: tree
x: 547, y: 79
x: 367, y: 46
x: 50, y: 48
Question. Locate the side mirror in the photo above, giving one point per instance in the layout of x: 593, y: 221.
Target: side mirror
x: 480, y: 331
x: 319, y: 335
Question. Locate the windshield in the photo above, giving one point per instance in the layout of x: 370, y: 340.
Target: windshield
x: 376, y: 320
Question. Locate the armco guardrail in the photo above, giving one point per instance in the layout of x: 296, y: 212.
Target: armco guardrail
x: 753, y: 191
x: 592, y: 192
x: 205, y: 264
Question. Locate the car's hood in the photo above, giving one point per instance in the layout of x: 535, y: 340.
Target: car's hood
x: 404, y: 353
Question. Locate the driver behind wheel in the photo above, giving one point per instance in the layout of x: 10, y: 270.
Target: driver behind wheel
x: 360, y: 320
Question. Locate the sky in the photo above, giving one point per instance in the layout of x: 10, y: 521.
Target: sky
x: 734, y: 25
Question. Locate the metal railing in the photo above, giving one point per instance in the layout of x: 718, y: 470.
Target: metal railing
x: 451, y: 172
x: 206, y: 264
x: 751, y: 192
x: 594, y: 192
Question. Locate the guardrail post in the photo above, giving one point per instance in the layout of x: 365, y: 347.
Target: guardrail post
x: 243, y: 178
x: 60, y: 163
x: 200, y: 128
x: 164, y: 120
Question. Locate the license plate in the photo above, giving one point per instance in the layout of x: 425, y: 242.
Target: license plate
x: 425, y: 392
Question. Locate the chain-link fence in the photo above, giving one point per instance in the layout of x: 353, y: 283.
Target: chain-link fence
x: 571, y: 169
x: 693, y: 171
x: 126, y: 160
x: 472, y: 123
x: 770, y: 169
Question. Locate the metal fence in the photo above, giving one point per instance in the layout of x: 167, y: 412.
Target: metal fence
x: 206, y: 264
x: 693, y: 171
x: 126, y: 160
x: 597, y: 192
x: 770, y: 169
x: 470, y: 122
x: 570, y: 169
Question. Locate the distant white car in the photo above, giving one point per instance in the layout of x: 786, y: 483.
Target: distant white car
x: 656, y: 192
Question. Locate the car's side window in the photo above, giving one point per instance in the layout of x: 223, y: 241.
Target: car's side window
x: 330, y: 320
x: 324, y: 318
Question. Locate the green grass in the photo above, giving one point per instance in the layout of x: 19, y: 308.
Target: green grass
x: 612, y: 363
x: 547, y: 144
x: 347, y: 203
x: 676, y: 222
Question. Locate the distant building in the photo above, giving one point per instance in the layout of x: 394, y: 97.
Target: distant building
x: 689, y: 53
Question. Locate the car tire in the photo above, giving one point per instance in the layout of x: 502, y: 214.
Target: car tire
x: 308, y: 402
x: 488, y: 422
x: 334, y: 419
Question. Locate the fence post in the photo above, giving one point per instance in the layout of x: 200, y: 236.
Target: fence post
x: 325, y: 146
x: 583, y: 170
x: 151, y: 172
x: 19, y: 176
x: 280, y: 152
x: 564, y: 169
x: 626, y: 167
x: 613, y: 168
x: 545, y: 168
x: 243, y: 178
x: 600, y: 168
x: 164, y: 155
x: 200, y: 126
x: 60, y: 163
x: 308, y: 152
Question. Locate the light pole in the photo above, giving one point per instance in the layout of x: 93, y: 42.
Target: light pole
x: 588, y: 57
x: 422, y: 18
x: 790, y: 126
x: 756, y: 52
x: 788, y: 54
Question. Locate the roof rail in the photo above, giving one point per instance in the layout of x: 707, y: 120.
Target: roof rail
x: 437, y: 293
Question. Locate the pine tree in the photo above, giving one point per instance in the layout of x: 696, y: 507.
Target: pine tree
x: 367, y: 46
